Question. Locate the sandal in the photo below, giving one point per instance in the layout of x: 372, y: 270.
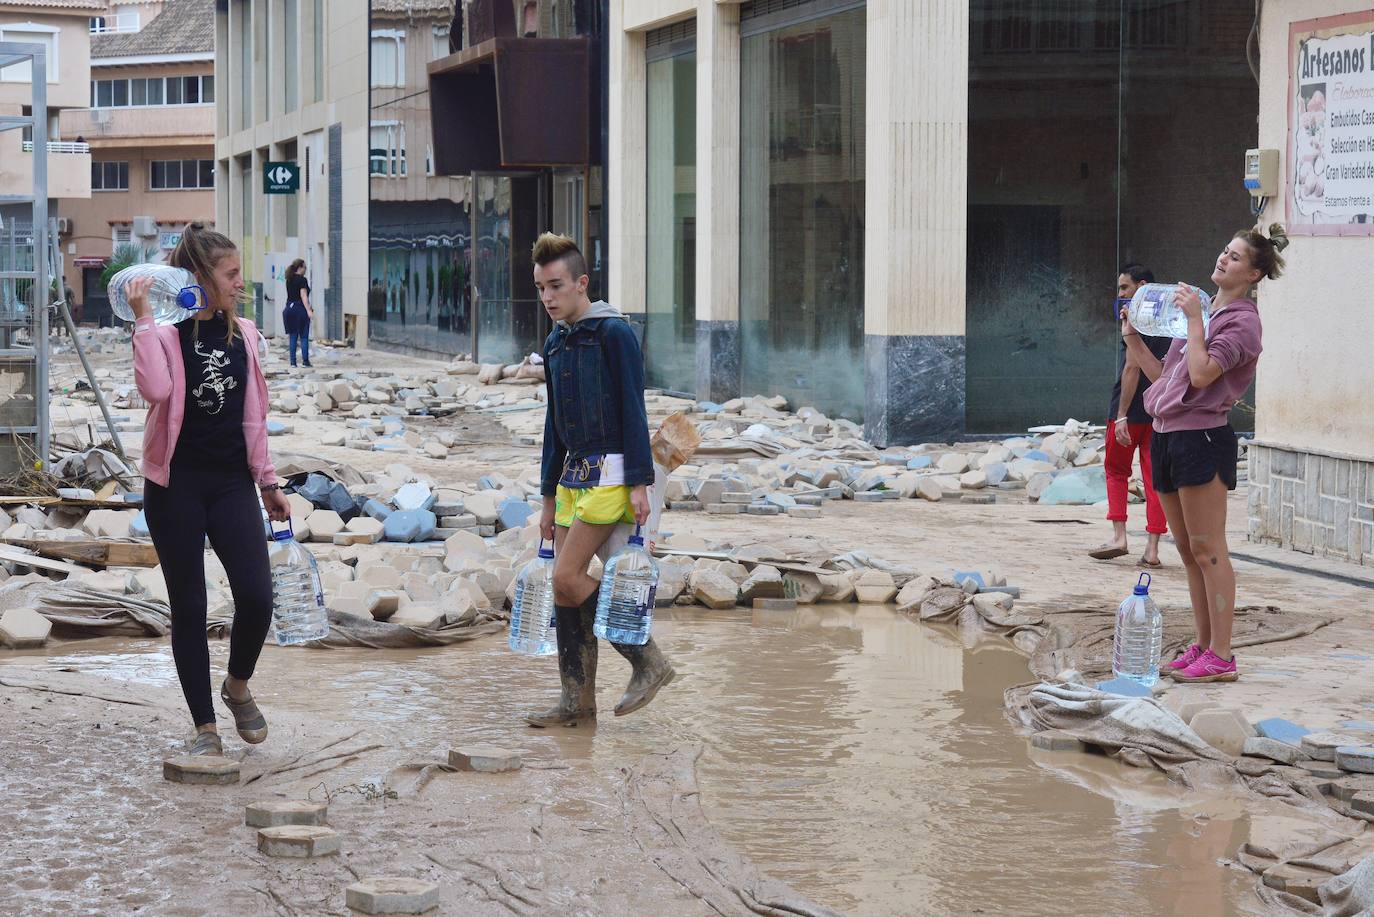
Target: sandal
x: 1108, y: 552
x: 205, y: 744
x: 1149, y: 565
x: 248, y: 719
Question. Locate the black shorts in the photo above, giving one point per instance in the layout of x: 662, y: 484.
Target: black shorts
x: 1191, y: 458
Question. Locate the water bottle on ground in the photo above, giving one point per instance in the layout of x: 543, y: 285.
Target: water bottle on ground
x: 1154, y: 311
x: 1139, y: 633
x: 531, y: 614
x: 173, y: 297
x: 298, y: 612
x: 625, y: 609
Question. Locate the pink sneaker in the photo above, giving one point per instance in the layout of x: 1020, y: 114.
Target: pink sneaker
x: 1187, y: 658
x: 1208, y: 667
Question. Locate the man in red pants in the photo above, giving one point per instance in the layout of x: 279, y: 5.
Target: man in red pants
x: 1128, y: 429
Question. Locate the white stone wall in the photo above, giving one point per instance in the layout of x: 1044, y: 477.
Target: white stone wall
x: 1314, y: 503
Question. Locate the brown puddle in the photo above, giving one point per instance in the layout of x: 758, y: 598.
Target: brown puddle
x: 851, y: 752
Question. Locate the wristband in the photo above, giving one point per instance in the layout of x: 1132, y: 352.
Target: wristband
x: 265, y: 487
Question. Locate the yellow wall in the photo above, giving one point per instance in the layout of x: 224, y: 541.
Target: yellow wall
x: 1316, y: 372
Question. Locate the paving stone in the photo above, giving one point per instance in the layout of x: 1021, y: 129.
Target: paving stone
x: 953, y: 463
x: 1273, y: 749
x: 486, y: 759
x: 409, y: 526
x: 275, y: 812
x: 108, y: 523
x: 376, y: 509
x: 383, y: 603
x: 764, y: 582
x: 513, y: 514
x: 1056, y: 740
x: 763, y: 509
x: 324, y: 524
x: 713, y: 589
x: 973, y: 480
x: 1358, y: 759
x: 366, y: 526
x: 1301, y: 881
x: 201, y: 770
x: 767, y: 604
x: 298, y: 841
x: 806, y: 588
x: 874, y: 587
x: 978, y: 499
x: 804, y: 512
x: 724, y: 509
x: 413, y: 496
x: 1223, y: 728
x: 1282, y: 730
x: 732, y: 497
x: 379, y: 576
x: 914, y: 592
x: 1362, y: 802
x: 688, y: 506
x: 871, y: 496
x: 392, y: 895
x: 1323, y: 745
x: 23, y: 629
x: 1322, y: 770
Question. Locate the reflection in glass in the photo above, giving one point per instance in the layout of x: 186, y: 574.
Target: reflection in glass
x: 670, y: 327
x: 802, y: 212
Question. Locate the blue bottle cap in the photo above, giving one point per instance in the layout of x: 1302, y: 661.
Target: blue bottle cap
x: 636, y: 540
x: 282, y: 534
x: 546, y: 553
x: 187, y: 298
x: 1142, y: 585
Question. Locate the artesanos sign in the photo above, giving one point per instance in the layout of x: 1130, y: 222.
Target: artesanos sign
x: 1329, y: 180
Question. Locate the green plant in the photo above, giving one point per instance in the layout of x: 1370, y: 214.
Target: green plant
x: 124, y: 255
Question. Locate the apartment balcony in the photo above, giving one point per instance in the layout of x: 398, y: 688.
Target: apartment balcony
x: 106, y: 128
x: 69, y: 167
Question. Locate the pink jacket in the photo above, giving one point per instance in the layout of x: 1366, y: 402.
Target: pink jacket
x: 1234, y: 343
x: 161, y: 378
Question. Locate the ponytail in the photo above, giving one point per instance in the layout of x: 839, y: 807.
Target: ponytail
x: 1265, y: 250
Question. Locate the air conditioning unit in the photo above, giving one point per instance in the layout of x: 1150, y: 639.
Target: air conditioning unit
x: 64, y: 226
x: 145, y: 227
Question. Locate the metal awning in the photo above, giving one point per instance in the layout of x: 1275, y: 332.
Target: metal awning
x: 513, y: 103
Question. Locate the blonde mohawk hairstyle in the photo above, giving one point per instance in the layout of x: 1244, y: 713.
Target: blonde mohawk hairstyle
x: 551, y: 247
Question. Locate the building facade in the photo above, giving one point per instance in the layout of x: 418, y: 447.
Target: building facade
x: 291, y: 86
x: 62, y: 27
x: 151, y: 131
x: 912, y: 214
x: 1312, y: 463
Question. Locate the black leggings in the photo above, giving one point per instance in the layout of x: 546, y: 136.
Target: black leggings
x: 223, y: 505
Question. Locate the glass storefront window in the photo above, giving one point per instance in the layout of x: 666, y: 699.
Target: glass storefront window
x: 802, y: 103
x: 670, y: 295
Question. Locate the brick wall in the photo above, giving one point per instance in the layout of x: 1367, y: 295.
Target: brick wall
x: 1313, y: 503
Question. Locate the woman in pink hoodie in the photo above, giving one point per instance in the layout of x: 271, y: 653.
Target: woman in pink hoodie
x: 205, y: 463
x: 1193, y: 450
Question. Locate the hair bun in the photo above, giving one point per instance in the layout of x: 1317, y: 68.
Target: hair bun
x: 1279, y: 236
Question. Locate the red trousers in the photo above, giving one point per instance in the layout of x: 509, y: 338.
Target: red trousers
x: 1118, y: 466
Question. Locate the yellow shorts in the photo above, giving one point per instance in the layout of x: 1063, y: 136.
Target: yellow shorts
x: 595, y: 505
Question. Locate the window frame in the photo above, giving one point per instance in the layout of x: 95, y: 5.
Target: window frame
x: 54, y: 34
x: 398, y: 36
x: 121, y: 179
x: 164, y: 166
x: 201, y: 81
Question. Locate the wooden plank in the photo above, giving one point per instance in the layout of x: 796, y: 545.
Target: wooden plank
x: 14, y: 555
x: 93, y: 552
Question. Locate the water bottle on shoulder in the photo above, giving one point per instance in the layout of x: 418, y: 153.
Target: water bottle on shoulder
x: 298, y: 611
x: 625, y: 608
x: 531, y: 614
x: 1139, y: 635
x: 1154, y: 311
x: 174, y: 296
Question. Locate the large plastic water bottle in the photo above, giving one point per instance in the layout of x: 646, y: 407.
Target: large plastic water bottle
x: 1154, y: 311
x: 1139, y: 633
x: 174, y: 296
x: 625, y: 609
x: 298, y: 612
x: 531, y: 615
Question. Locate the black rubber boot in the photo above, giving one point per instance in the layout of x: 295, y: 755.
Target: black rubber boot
x: 576, y: 667
x: 652, y: 670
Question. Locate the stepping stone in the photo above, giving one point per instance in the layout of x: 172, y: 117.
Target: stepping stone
x: 1057, y: 740
x: 201, y: 770
x: 1273, y: 749
x: 276, y: 812
x: 299, y: 841
x: 390, y: 895
x: 1282, y: 730
x: 486, y: 759
x: 1358, y: 759
x: 775, y: 604
x: 1323, y: 745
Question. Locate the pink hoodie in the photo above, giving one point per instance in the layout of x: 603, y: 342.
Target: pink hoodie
x: 161, y: 378
x: 1233, y: 341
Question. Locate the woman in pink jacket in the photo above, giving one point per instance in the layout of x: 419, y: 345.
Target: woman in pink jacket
x: 205, y: 463
x: 1194, y: 451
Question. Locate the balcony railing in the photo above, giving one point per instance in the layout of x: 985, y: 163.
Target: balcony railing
x: 60, y: 146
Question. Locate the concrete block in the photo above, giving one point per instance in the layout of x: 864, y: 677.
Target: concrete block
x: 874, y: 587
x: 1281, y: 730
x: 763, y: 509
x: 764, y: 582
x: 298, y: 841
x: 408, y: 526
x: 276, y: 812
x: 1223, y: 728
x: 414, y: 496
x: 324, y: 525
x: 201, y: 770
x: 486, y: 759
x: 23, y: 629
x: 392, y: 895
x: 713, y: 589
x: 724, y: 509
x: 383, y: 603
x: 1322, y: 745
x: 380, y: 576
x: 773, y: 604
x: 1358, y: 759
x: 513, y: 514
x: 1273, y: 749
x: 743, y: 498
x: 1056, y: 740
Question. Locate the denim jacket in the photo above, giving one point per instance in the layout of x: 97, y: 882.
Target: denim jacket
x: 594, y: 376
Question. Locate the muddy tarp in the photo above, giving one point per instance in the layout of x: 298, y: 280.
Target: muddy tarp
x: 347, y: 630
x: 661, y: 800
x: 78, y: 611
x: 291, y: 464
x: 1350, y: 894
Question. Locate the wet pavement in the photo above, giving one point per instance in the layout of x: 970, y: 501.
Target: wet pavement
x: 855, y: 754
